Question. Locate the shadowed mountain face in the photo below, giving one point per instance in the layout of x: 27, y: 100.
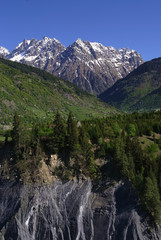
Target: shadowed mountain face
x: 140, y: 90
x: 72, y: 211
x: 89, y: 65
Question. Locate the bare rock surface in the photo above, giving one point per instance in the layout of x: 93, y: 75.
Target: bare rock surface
x: 74, y: 210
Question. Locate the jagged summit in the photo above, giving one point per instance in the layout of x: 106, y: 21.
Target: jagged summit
x: 89, y: 65
x: 79, y: 41
x: 4, y: 51
x: 36, y: 52
x: 46, y: 39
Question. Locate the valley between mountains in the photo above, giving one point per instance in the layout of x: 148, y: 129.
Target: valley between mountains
x: 80, y: 143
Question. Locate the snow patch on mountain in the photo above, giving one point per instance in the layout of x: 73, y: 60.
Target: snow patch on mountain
x: 4, y: 51
x: 90, y: 65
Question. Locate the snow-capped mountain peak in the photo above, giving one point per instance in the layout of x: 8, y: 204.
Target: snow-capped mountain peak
x: 90, y: 65
x: 79, y: 41
x: 23, y: 44
x: 4, y: 51
x: 46, y: 39
x: 82, y: 44
x: 36, y: 52
x: 97, y: 47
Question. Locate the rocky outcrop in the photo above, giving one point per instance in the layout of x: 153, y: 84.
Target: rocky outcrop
x: 74, y: 210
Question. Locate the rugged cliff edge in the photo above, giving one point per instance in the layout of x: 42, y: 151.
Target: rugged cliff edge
x: 74, y: 210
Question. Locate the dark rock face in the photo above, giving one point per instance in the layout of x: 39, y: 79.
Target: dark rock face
x: 72, y: 211
x: 94, y: 67
x: 89, y: 65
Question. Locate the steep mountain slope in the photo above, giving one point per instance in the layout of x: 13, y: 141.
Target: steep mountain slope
x: 94, y: 67
x: 89, y: 65
x: 151, y: 101
x: 140, y: 90
x: 36, y: 94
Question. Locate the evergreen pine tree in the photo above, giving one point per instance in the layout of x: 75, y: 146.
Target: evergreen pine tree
x: 83, y: 140
x: 152, y: 197
x: 72, y: 133
x: 35, y: 141
x: 16, y: 132
x: 59, y: 133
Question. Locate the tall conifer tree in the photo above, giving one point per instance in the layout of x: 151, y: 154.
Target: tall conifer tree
x: 59, y: 132
x: 72, y: 138
x: 16, y: 132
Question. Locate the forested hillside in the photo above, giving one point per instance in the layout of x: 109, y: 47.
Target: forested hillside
x: 139, y: 91
x: 116, y: 147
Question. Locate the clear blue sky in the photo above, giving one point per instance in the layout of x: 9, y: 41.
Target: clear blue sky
x: 119, y: 23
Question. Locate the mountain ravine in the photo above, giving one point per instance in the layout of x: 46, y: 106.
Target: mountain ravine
x: 72, y: 210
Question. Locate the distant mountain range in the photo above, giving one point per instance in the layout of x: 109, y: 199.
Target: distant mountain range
x: 139, y: 91
x: 89, y: 65
x: 35, y: 95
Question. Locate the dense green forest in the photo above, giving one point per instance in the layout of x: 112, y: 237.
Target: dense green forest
x: 124, y: 146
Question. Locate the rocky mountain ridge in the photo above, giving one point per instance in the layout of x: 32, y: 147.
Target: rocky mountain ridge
x: 89, y: 65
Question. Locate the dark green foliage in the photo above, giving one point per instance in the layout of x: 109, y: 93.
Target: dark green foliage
x: 35, y: 141
x: 16, y: 133
x: 131, y: 130
x: 103, y: 150
x: 131, y: 160
x: 83, y: 140
x: 151, y: 197
x: 58, y: 133
x: 128, y: 145
x: 116, y: 129
x: 152, y: 149
x: 72, y: 133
